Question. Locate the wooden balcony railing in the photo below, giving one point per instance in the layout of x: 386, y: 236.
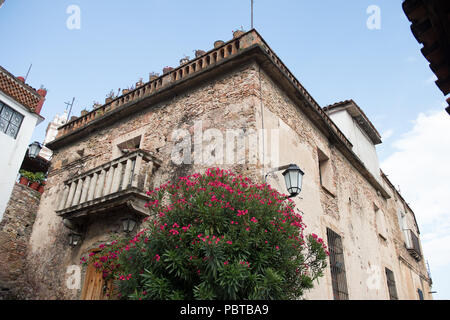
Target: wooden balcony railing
x: 412, y: 244
x: 122, y: 180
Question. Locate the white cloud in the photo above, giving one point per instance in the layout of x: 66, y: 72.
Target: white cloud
x: 387, y: 134
x: 410, y: 59
x: 431, y: 79
x: 421, y: 166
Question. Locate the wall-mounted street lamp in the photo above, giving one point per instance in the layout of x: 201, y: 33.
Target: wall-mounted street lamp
x: 128, y: 224
x: 74, y: 239
x: 34, y: 149
x: 293, y: 177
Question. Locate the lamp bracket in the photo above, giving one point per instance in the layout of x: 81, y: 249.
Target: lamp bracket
x: 276, y: 170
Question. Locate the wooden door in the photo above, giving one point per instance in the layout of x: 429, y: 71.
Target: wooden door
x: 95, y: 287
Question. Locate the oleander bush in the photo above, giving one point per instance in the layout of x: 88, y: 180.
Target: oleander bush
x: 215, y: 236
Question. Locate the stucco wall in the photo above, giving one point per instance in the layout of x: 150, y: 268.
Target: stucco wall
x: 13, y: 150
x: 348, y: 210
x: 362, y: 145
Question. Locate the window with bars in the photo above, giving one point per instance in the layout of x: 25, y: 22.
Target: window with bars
x: 420, y: 294
x: 391, y: 285
x: 337, y: 266
x: 10, y: 120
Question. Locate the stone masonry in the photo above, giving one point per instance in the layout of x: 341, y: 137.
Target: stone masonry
x: 15, y: 232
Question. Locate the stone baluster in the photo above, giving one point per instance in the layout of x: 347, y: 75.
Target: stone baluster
x: 92, y: 186
x: 73, y: 186
x: 127, y: 174
x: 76, y: 198
x: 100, y: 187
x: 63, y: 200
x: 116, y: 179
x: 85, y: 189
x: 109, y: 179
x: 136, y: 171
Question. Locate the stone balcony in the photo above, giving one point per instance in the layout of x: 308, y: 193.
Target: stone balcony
x: 120, y: 183
x: 412, y: 244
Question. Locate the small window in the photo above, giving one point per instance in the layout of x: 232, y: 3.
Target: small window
x: 337, y: 266
x: 325, y: 171
x: 381, y: 223
x: 10, y: 120
x: 130, y: 145
x: 391, y: 285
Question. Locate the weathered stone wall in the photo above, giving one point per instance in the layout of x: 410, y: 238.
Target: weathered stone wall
x: 224, y: 103
x: 15, y: 231
x: 347, y: 206
x: 233, y: 101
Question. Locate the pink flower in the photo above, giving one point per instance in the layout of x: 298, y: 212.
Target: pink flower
x: 242, y: 213
x: 157, y: 257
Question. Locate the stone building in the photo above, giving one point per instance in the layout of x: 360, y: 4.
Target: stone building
x: 104, y: 161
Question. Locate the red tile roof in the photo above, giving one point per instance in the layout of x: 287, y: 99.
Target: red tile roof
x: 19, y: 91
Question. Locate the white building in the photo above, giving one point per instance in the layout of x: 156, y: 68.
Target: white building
x: 51, y: 133
x: 20, y: 107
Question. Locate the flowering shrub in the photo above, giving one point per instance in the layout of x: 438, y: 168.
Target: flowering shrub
x: 215, y: 236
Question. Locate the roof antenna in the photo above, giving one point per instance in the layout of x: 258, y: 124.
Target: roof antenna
x: 252, y: 13
x: 26, y: 77
x: 70, y: 111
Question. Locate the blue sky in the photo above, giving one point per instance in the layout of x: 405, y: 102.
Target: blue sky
x: 326, y: 44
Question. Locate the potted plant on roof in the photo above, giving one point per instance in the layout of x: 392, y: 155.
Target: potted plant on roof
x: 25, y: 177
x: 96, y: 105
x: 42, y: 186
x: 238, y: 33
x: 34, y: 184
x: 167, y: 70
x: 184, y: 60
x: 110, y: 96
x: 153, y: 76
x: 36, y: 180
x: 218, y: 44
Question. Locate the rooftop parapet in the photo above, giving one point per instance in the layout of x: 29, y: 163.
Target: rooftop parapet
x: 222, y: 51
